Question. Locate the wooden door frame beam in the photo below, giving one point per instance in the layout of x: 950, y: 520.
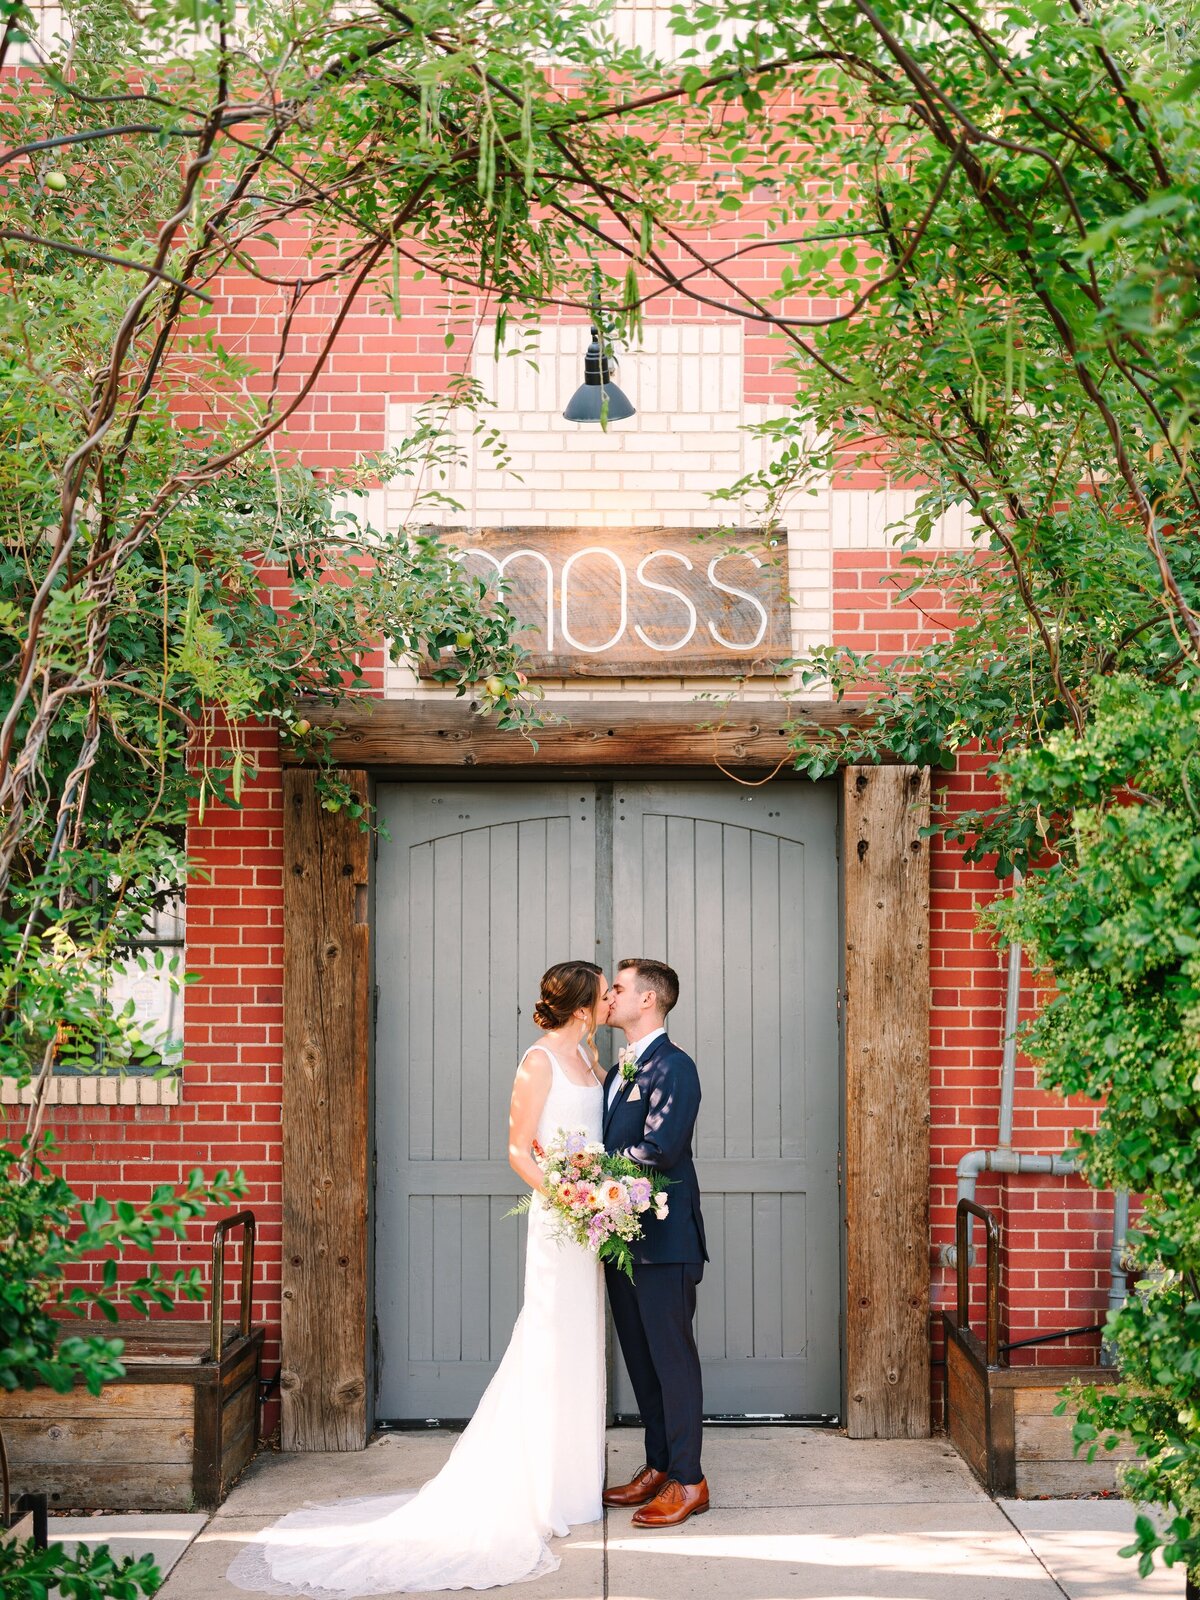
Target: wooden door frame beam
x: 415, y: 738
x: 884, y: 855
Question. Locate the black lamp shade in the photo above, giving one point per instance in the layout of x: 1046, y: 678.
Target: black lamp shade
x: 597, y: 388
x: 586, y: 403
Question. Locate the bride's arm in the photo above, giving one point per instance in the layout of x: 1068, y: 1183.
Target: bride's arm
x: 530, y: 1088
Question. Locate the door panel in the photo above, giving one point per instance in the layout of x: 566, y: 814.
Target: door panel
x: 737, y: 890
x: 479, y: 889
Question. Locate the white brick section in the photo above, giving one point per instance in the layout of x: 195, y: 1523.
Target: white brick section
x: 645, y: 24
x: 867, y: 519
x: 690, y: 439
x: 52, y: 32
x: 130, y: 1091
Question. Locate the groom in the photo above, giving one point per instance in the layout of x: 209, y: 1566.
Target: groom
x: 650, y: 1102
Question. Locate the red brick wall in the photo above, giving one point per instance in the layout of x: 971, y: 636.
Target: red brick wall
x: 233, y: 1023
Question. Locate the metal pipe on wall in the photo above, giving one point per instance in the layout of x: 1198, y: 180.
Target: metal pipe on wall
x: 1001, y: 1160
x: 1118, y: 1284
x: 1008, y: 1063
x: 1005, y: 1159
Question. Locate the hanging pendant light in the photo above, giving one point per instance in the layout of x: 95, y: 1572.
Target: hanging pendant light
x: 598, y: 399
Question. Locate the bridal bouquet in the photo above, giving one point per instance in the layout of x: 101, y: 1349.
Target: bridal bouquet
x: 596, y: 1198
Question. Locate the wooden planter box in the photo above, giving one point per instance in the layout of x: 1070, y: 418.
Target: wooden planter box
x: 1000, y: 1418
x: 171, y: 1435
x: 1001, y: 1421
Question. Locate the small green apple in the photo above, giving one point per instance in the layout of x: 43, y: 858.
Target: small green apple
x: 463, y: 641
x: 494, y: 686
x: 56, y: 181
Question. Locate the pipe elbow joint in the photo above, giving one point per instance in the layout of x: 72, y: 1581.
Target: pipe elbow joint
x: 972, y: 1164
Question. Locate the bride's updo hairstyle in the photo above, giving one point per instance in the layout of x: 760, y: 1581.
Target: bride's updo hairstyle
x: 566, y: 987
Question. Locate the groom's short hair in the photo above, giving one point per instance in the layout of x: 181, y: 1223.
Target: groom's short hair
x: 656, y: 975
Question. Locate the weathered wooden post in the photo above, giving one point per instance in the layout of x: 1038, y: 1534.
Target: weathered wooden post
x: 326, y: 993
x: 886, y: 868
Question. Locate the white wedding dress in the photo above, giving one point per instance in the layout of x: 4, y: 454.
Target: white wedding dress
x: 529, y: 1465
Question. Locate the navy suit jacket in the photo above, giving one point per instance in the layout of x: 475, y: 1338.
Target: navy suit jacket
x: 655, y: 1129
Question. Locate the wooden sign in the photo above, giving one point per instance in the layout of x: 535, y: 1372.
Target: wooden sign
x: 636, y: 602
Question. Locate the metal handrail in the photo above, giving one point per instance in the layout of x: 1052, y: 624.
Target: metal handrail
x: 962, y: 1310
x: 244, y: 1219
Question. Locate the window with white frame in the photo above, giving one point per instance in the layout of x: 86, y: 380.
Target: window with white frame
x: 145, y: 981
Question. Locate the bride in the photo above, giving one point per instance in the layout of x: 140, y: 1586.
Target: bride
x: 531, y: 1461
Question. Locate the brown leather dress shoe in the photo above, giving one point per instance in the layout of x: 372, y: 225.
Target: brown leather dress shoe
x: 643, y: 1486
x: 674, y: 1503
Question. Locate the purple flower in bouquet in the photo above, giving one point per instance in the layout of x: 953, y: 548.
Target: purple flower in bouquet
x: 575, y: 1144
x: 640, y: 1190
x: 599, y: 1227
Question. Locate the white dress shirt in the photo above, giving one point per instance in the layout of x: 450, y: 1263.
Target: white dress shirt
x: 640, y: 1048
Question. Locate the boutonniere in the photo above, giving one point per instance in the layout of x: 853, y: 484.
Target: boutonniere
x: 627, y: 1063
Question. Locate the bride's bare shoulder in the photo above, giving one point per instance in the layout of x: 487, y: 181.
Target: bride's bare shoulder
x: 535, y: 1063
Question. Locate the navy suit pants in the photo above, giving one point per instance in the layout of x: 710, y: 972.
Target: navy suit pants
x: 653, y: 1318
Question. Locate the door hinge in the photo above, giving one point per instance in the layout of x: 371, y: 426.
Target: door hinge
x: 839, y: 1166
x: 375, y: 1004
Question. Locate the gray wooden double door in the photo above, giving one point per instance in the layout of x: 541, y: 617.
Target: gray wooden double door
x: 479, y: 889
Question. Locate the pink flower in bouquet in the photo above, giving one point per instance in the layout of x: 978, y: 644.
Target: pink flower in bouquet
x: 613, y: 1192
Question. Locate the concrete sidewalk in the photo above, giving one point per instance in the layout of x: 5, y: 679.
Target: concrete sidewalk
x: 797, y: 1515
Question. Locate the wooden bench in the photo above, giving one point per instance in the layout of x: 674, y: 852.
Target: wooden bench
x: 1001, y: 1418
x: 171, y: 1435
